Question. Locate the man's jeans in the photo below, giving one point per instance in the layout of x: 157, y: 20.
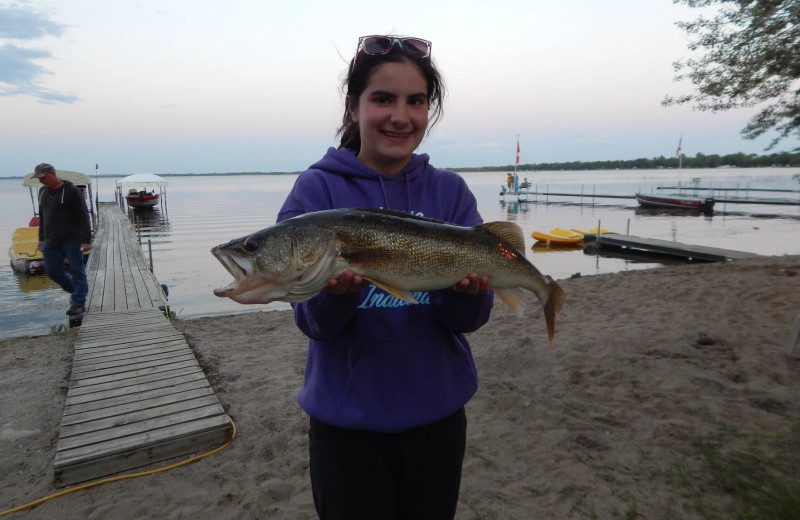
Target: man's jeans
x: 74, y: 282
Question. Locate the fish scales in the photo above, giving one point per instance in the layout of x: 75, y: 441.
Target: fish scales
x: 438, y: 251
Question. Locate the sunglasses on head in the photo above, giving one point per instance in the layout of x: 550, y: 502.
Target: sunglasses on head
x: 379, y: 45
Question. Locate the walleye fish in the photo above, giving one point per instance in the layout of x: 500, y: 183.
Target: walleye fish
x: 400, y: 253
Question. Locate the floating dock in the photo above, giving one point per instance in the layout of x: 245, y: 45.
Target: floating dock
x: 137, y: 394
x: 665, y: 247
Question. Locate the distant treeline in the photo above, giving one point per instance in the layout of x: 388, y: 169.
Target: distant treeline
x: 736, y: 160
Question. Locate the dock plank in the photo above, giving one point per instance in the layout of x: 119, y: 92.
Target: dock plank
x: 121, y: 409
x: 154, y: 382
x: 155, y: 391
x: 137, y: 394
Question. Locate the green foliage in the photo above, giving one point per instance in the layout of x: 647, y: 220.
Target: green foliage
x: 58, y: 328
x: 750, y: 57
x: 738, y: 160
x: 735, y: 475
x: 761, y: 486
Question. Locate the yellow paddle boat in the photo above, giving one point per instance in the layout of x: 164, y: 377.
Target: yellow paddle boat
x: 24, y: 251
x: 558, y: 236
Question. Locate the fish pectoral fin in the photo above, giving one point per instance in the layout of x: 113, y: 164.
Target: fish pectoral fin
x: 394, y: 291
x: 513, y: 297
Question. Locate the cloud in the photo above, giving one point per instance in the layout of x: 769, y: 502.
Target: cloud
x: 19, y: 23
x: 19, y: 73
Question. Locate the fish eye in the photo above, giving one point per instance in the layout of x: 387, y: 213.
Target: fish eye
x: 250, y: 244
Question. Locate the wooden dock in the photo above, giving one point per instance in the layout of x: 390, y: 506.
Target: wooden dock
x: 666, y: 247
x: 137, y: 395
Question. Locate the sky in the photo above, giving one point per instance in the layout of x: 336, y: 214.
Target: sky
x: 198, y: 86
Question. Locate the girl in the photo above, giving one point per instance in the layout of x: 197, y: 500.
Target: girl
x: 386, y: 382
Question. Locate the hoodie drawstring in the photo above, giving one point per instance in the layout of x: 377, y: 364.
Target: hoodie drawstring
x: 386, y: 197
x: 383, y: 190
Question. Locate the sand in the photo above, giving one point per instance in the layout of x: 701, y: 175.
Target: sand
x: 652, y: 375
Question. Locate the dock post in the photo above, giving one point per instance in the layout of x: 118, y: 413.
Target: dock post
x: 598, y: 236
x: 794, y: 336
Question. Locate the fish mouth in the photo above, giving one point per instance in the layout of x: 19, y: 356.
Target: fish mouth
x: 238, y: 266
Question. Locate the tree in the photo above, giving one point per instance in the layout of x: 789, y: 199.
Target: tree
x: 752, y: 57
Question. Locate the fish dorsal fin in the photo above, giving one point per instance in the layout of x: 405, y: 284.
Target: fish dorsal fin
x: 506, y: 231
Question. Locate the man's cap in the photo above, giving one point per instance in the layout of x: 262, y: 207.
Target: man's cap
x: 42, y: 170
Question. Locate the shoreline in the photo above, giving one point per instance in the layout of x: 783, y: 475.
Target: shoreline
x: 651, y: 373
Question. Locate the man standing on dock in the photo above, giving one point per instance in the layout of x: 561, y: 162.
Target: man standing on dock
x: 64, y: 233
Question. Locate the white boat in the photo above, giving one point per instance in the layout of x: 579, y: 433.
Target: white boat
x: 142, y: 190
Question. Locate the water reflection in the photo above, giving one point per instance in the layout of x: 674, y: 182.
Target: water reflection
x: 513, y: 208
x: 149, y: 221
x: 152, y: 228
x: 34, y: 282
x: 543, y: 247
x: 674, y: 212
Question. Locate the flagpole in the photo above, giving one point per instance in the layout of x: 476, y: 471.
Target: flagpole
x: 516, y: 177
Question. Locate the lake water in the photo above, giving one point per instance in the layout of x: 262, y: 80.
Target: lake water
x: 203, y: 211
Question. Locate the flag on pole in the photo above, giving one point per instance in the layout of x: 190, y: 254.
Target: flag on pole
x: 517, y: 150
x: 678, y: 151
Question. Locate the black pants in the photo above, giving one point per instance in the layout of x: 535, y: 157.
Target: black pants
x: 414, y: 474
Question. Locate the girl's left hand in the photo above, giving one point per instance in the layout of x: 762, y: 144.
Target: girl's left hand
x: 473, y: 283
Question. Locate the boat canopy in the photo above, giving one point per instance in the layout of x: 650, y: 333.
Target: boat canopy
x: 79, y: 179
x: 142, y: 181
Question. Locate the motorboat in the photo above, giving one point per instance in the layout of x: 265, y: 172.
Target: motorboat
x: 141, y: 198
x: 675, y: 202
x: 142, y: 190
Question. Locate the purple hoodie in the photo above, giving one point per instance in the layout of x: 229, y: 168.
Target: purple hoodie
x: 375, y: 362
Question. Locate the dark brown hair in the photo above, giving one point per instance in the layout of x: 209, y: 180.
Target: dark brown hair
x: 361, y: 68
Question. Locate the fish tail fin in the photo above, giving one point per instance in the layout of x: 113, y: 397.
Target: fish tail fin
x: 553, y: 306
x: 513, y: 297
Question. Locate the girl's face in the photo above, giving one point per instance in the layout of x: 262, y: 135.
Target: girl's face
x: 392, y: 116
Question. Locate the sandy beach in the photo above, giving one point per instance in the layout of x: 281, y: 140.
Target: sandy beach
x: 665, y: 393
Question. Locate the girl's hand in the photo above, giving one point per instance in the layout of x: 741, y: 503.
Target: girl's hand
x: 473, y: 283
x: 346, y: 283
